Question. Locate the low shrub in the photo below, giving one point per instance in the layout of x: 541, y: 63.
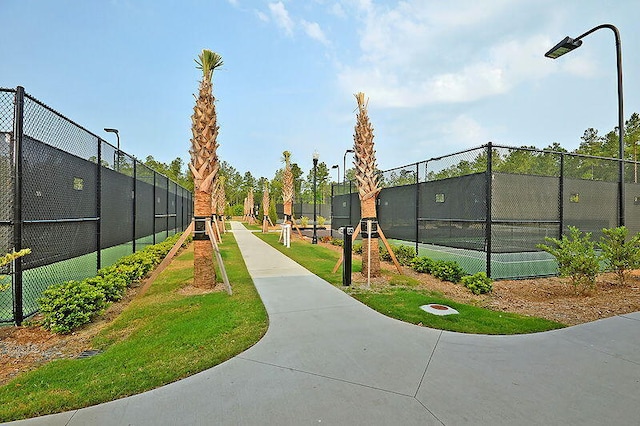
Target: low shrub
x: 447, y: 270
x: 423, y: 264
x: 404, y: 254
x: 337, y: 242
x: 620, y: 256
x: 478, y: 283
x: 304, y: 221
x: 69, y: 305
x: 356, y: 248
x: 576, y: 257
x: 113, y: 286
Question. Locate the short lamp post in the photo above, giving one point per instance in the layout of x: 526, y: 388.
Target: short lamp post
x: 567, y: 45
x: 117, y: 159
x: 314, y: 239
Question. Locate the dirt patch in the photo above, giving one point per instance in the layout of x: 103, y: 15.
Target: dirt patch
x: 26, y: 348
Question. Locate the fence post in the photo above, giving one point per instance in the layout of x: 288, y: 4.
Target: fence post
x: 135, y: 198
x: 417, y: 183
x: 561, y: 196
x: 621, y: 207
x: 99, y: 206
x: 489, y: 174
x: 154, y: 206
x: 18, y: 127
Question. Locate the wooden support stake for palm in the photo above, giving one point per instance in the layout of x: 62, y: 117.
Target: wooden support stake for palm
x: 216, y: 249
x: 167, y: 259
x: 386, y: 244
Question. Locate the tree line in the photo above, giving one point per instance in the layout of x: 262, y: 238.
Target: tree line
x: 524, y: 160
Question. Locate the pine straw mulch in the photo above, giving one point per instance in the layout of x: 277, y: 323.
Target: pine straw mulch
x: 26, y: 348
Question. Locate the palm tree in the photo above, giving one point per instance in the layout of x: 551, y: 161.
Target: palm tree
x: 204, y: 163
x: 265, y: 208
x: 287, y: 188
x: 367, y: 180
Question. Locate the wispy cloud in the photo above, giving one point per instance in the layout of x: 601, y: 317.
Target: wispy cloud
x: 313, y: 30
x: 281, y: 17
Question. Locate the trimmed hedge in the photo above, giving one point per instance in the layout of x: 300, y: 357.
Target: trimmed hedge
x: 66, y: 306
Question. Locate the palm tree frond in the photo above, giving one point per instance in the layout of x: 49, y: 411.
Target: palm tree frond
x: 208, y: 61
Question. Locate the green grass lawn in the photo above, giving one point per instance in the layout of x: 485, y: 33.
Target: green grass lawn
x: 159, y: 338
x: 402, y: 299
x: 316, y: 258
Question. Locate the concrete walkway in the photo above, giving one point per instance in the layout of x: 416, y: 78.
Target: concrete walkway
x: 327, y: 359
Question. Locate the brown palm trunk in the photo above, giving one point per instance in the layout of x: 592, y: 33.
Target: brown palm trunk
x: 204, y: 271
x: 370, y: 248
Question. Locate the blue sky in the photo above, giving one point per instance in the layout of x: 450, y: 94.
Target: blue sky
x: 440, y: 76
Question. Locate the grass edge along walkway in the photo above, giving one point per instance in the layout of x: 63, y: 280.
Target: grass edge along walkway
x: 402, y: 300
x: 159, y: 338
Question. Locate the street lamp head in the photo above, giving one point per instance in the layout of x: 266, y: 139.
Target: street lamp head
x: 109, y: 130
x: 335, y: 166
x: 565, y: 46
x: 315, y: 157
x: 350, y: 150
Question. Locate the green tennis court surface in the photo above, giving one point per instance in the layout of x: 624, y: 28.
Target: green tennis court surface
x: 503, y: 265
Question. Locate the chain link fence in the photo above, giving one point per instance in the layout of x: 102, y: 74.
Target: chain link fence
x: 489, y: 207
x: 75, y: 200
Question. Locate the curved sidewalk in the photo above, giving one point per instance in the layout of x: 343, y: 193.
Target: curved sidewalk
x: 328, y: 359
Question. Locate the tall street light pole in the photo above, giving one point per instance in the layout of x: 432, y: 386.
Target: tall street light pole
x: 117, y: 159
x: 344, y: 162
x: 314, y: 239
x: 567, y: 45
x: 335, y: 166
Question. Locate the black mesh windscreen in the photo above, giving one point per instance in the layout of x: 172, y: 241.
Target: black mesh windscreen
x: 179, y: 207
x: 632, y: 207
x: 590, y: 205
x: 144, y: 201
x: 397, y: 212
x: 56, y: 184
x: 117, y: 208
x: 58, y: 204
x: 461, y: 198
x: 452, y: 212
x: 525, y: 197
x: 524, y: 210
x: 172, y: 205
x: 51, y: 243
x: 453, y: 233
x: 161, y: 203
